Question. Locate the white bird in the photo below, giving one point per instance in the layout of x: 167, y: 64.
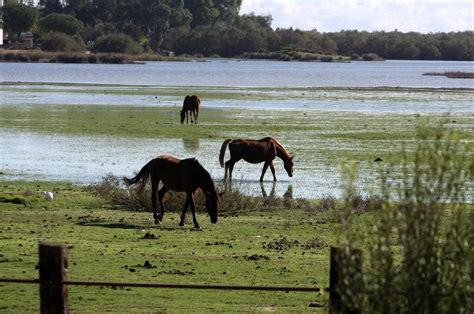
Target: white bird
x: 48, y: 195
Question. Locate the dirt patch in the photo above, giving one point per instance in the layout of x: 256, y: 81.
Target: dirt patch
x: 149, y: 236
x: 281, y: 244
x: 256, y: 257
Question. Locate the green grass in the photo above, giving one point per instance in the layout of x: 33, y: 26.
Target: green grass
x: 328, y: 135
x: 105, y: 244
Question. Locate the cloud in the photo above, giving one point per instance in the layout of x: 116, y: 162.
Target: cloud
x: 334, y: 15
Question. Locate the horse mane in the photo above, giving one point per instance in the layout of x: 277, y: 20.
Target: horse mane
x: 208, y: 183
x: 282, y: 147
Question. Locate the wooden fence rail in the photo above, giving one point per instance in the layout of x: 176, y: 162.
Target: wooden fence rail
x: 54, y: 293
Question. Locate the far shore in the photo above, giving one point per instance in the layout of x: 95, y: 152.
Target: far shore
x: 39, y: 56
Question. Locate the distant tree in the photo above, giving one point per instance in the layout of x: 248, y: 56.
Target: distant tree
x: 116, y: 43
x: 55, y: 41
x: 50, y: 6
x: 203, y: 12
x: 18, y: 17
x: 63, y: 23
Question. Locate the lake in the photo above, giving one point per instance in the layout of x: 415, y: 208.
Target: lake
x: 390, y: 87
x: 251, y: 73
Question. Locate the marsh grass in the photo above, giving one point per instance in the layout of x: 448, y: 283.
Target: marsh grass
x: 420, y: 249
x: 234, y: 201
x: 80, y: 57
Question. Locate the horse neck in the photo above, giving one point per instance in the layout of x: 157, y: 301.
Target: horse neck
x: 205, y: 183
x: 281, y: 152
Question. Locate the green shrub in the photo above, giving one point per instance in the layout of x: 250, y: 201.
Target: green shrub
x: 92, y: 59
x: 22, y: 58
x: 112, y: 58
x: 116, y: 43
x: 9, y: 57
x: 54, y: 41
x: 420, y: 252
x: 71, y: 58
x: 326, y: 59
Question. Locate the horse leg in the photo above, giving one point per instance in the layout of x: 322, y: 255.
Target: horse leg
x: 229, y: 166
x: 161, y: 194
x: 183, y: 211
x: 154, y: 187
x: 191, y: 113
x: 193, y: 211
x: 272, y: 168
x: 265, y: 166
x: 187, y: 117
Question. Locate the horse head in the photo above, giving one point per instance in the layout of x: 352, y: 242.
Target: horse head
x: 182, y: 115
x: 212, y: 204
x: 289, y: 166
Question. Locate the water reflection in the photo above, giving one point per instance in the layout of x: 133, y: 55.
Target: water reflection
x: 264, y: 193
x: 267, y: 190
x: 191, y: 145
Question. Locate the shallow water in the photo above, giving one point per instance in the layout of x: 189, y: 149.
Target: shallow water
x: 86, y: 160
x: 338, y: 99
x: 232, y: 84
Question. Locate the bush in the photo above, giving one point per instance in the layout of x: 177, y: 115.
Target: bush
x: 116, y: 43
x: 137, y: 198
x: 71, y: 58
x: 116, y: 59
x: 420, y: 253
x: 61, y: 42
x: 22, y: 58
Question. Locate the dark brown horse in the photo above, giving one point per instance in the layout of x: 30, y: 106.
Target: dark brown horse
x: 255, y: 151
x: 190, y: 105
x: 185, y: 175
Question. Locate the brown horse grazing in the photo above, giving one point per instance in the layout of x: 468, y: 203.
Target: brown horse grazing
x: 255, y: 151
x: 185, y: 175
x: 190, y: 105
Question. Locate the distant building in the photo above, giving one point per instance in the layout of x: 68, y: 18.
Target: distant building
x: 26, y: 38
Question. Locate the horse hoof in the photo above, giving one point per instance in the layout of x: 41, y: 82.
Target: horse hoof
x: 181, y: 224
x: 197, y: 228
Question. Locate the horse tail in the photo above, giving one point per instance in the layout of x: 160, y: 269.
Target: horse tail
x: 142, y: 175
x: 222, y: 152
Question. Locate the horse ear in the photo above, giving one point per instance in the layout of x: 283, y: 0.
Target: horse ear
x: 291, y: 158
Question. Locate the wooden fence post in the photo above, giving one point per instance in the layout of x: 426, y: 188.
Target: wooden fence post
x: 345, y: 266
x: 52, y: 273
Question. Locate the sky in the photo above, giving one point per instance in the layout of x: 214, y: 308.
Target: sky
x: 422, y: 16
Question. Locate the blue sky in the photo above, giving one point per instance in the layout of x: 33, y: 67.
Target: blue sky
x: 371, y: 15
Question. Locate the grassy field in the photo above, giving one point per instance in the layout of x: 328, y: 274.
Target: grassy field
x: 263, y: 247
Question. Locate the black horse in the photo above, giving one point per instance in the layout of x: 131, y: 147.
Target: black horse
x: 190, y: 105
x: 185, y: 175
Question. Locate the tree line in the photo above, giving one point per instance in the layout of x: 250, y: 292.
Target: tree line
x: 207, y: 28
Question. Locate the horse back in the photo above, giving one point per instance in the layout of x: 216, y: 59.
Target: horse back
x: 178, y: 175
x: 191, y: 103
x: 254, y: 151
